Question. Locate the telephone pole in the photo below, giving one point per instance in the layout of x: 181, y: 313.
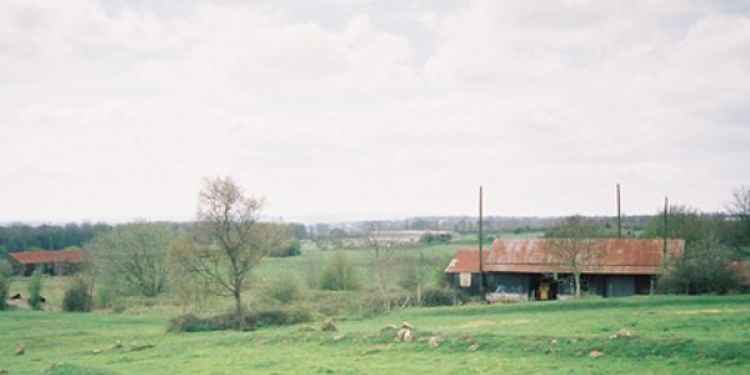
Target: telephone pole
x: 619, y: 216
x: 481, y: 252
x: 666, y: 227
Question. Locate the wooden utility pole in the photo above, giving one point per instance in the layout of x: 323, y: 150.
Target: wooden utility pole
x: 666, y: 227
x: 481, y: 252
x: 619, y: 216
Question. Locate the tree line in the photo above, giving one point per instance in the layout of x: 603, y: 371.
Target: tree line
x: 22, y: 237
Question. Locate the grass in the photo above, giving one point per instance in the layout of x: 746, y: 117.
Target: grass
x: 707, y: 334
x: 686, y: 335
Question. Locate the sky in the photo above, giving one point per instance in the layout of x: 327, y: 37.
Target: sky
x: 339, y: 110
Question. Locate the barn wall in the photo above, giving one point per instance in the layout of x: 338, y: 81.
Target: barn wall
x: 620, y: 286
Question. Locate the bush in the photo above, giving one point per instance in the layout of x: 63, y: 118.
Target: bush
x: 430, y: 238
x: 376, y: 303
x: 104, y: 297
x: 441, y: 297
x: 77, y: 297
x: 35, y: 290
x: 285, y: 289
x: 279, y: 316
x: 704, y: 268
x: 4, y: 284
x: 250, y: 320
x: 291, y: 249
x: 338, y: 274
x: 192, y: 323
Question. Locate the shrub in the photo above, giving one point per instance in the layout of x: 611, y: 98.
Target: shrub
x: 286, y: 289
x: 704, y: 268
x: 4, y: 284
x: 35, y: 290
x: 338, y: 274
x: 77, y: 297
x: 377, y: 303
x: 291, y: 249
x: 192, y: 323
x: 430, y: 238
x: 441, y: 297
x: 4, y: 287
x: 277, y: 316
x: 104, y: 296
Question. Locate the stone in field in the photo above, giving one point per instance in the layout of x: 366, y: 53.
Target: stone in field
x: 328, y: 326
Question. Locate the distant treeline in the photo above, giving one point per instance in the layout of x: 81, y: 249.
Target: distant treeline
x: 21, y: 237
x: 24, y: 237
x: 469, y: 224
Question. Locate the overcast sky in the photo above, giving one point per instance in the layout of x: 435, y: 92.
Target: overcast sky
x: 339, y: 109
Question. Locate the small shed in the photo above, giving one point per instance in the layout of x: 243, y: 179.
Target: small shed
x: 52, y: 262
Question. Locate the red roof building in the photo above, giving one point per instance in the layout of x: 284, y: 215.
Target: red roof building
x: 50, y: 261
x: 614, y: 256
x: 520, y: 268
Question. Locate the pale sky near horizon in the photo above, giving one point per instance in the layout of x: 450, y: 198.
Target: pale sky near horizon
x: 343, y: 110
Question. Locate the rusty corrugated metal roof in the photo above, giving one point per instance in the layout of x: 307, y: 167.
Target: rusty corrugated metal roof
x: 614, y: 256
x: 48, y: 256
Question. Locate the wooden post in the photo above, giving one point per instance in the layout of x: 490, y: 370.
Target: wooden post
x: 619, y: 216
x: 666, y: 229
x: 481, y: 252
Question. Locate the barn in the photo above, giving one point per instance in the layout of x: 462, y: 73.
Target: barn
x: 518, y: 270
x: 52, y: 262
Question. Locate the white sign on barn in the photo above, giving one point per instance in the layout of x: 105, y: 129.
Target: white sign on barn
x: 465, y: 279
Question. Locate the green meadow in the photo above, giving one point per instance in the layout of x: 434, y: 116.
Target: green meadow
x: 685, y: 335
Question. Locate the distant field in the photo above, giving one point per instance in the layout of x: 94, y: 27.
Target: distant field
x: 306, y: 268
x: 670, y: 335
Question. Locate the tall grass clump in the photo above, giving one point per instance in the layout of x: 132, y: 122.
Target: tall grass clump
x: 77, y: 296
x: 285, y: 289
x: 4, y: 284
x: 35, y: 290
x: 338, y: 274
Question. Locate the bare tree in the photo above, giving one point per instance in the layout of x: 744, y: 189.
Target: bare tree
x: 573, y: 245
x: 133, y: 254
x: 740, y: 204
x: 228, y: 241
x: 382, y: 260
x: 739, y: 207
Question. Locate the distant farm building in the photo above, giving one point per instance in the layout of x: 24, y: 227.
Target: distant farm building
x: 57, y: 262
x: 411, y: 236
x: 531, y: 269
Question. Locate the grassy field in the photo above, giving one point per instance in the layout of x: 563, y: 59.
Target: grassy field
x: 697, y: 335
x: 669, y: 334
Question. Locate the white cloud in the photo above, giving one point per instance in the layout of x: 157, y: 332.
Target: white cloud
x: 117, y: 109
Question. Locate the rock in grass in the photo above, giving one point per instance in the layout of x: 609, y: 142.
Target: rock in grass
x: 405, y: 335
x: 20, y: 349
x: 473, y: 347
x: 406, y: 325
x: 328, y: 326
x: 595, y: 354
x: 621, y: 333
x: 435, y: 341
